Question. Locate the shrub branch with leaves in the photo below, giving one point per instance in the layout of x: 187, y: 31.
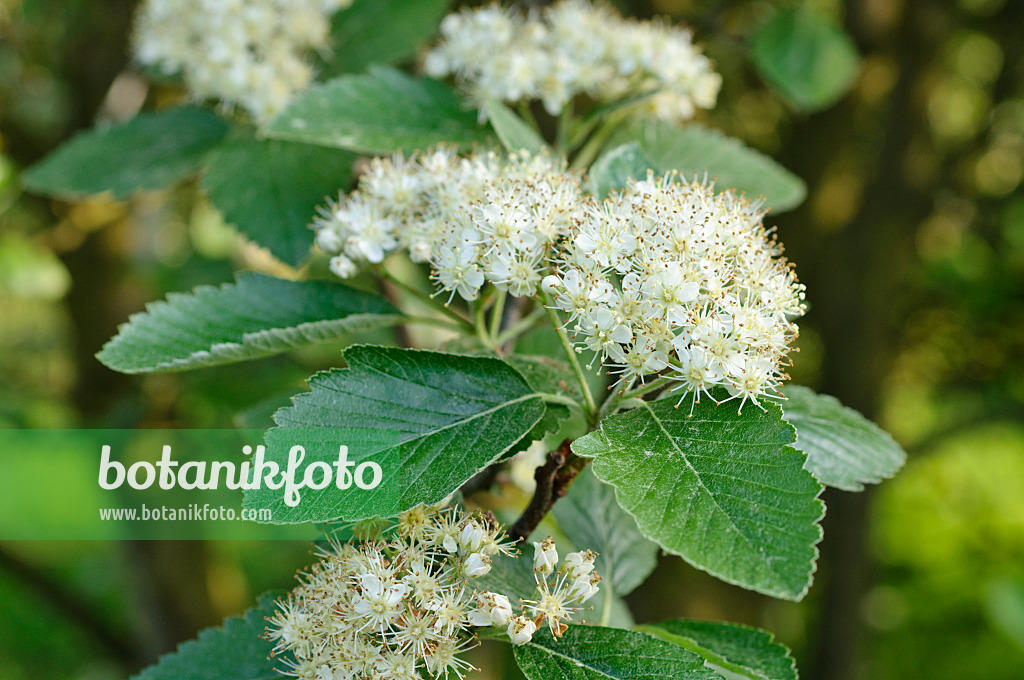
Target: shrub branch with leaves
x: 554, y: 188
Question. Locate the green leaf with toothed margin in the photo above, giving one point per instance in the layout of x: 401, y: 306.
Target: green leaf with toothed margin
x: 254, y: 317
x: 358, y: 40
x: 430, y: 421
x: 697, y: 150
x: 270, y: 189
x: 596, y: 653
x: 150, y: 151
x: 378, y: 112
x: 235, y: 651
x: 725, y: 491
x: 742, y: 651
x: 844, y: 449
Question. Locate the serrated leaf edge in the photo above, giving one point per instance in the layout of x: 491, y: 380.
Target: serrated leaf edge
x: 795, y: 597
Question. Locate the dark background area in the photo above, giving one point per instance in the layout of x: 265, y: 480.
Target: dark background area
x: 911, y: 244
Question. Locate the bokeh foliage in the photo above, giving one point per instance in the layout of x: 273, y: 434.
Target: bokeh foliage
x: 911, y: 242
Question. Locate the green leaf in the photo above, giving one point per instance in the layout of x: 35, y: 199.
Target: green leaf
x: 511, y: 576
x: 270, y: 189
x: 233, y: 652
x: 614, y: 169
x: 725, y: 491
x: 593, y: 653
x: 256, y: 316
x: 806, y: 57
x: 380, y: 32
x: 379, y: 112
x: 742, y: 650
x: 560, y: 422
x: 844, y: 449
x: 591, y: 519
x: 430, y: 420
x: 150, y: 151
x: 695, y: 149
x: 513, y: 131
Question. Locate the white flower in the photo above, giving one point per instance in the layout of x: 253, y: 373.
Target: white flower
x: 246, y: 53
x: 583, y: 588
x: 663, y: 277
x: 485, y: 218
x: 571, y: 48
x: 699, y: 292
x: 604, y: 330
x: 472, y: 536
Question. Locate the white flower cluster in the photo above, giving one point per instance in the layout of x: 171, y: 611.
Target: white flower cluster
x: 664, y: 276
x: 247, y: 53
x: 669, y: 276
x: 394, y: 608
x: 477, y: 219
x: 573, y: 47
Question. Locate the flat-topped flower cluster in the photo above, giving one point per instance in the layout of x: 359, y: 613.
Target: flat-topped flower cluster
x: 571, y: 48
x: 247, y: 53
x: 665, y: 276
x: 396, y: 606
x: 668, y: 274
x: 485, y: 218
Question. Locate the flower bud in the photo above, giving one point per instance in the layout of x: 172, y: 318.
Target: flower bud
x: 472, y: 536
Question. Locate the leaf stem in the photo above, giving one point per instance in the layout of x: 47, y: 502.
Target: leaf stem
x: 614, y: 402
x: 496, y: 315
x: 593, y: 146
x: 565, y: 123
x: 462, y: 321
x: 521, y: 326
x: 558, y: 399
x: 589, y: 406
x: 479, y: 308
x: 652, y: 386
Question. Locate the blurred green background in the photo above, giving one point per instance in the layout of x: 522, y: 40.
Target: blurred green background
x: 911, y: 244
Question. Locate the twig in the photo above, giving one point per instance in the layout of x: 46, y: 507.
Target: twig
x: 553, y: 479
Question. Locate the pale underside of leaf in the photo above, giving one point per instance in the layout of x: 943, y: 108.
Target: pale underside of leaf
x: 844, y: 449
x: 254, y: 317
x: 698, y: 151
x: 592, y: 519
